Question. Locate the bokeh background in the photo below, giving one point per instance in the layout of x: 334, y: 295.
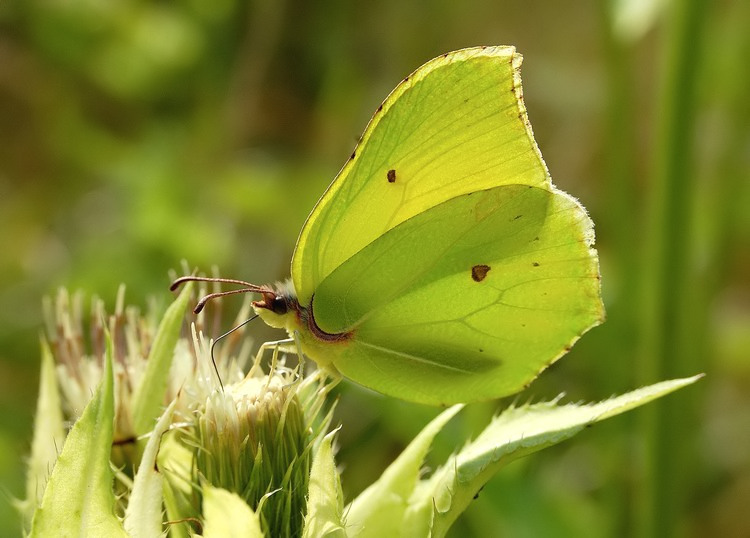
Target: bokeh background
x: 136, y: 134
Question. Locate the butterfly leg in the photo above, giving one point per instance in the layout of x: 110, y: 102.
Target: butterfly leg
x: 299, y: 371
x: 283, y: 345
x: 300, y: 355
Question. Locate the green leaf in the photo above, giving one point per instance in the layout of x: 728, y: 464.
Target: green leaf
x: 513, y: 434
x: 49, y: 436
x: 148, y: 399
x: 143, y: 516
x: 380, y: 510
x: 325, y: 504
x: 79, y: 500
x: 226, y: 514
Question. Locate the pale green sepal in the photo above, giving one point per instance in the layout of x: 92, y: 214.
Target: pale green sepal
x: 148, y: 398
x: 517, y: 432
x: 175, y: 461
x: 79, y: 500
x: 49, y: 436
x: 325, y: 502
x: 226, y: 514
x: 143, y: 516
x: 380, y: 509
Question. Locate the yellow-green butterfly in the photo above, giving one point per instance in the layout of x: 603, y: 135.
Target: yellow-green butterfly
x: 442, y: 265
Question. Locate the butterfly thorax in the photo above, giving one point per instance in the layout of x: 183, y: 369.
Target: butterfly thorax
x: 280, y: 309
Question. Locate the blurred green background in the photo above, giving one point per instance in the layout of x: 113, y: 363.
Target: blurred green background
x: 136, y: 134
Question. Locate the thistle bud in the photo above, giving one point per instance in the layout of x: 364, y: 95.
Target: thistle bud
x: 254, y: 440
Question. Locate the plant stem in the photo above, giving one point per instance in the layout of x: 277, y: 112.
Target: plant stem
x: 623, y: 228
x: 667, y: 284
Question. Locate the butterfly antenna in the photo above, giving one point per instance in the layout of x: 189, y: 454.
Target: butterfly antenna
x: 177, y: 283
x: 202, y: 303
x: 248, y: 288
x: 213, y: 344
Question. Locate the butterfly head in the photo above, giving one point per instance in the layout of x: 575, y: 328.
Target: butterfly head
x: 277, y: 305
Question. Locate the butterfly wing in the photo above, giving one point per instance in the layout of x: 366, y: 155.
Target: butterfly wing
x: 456, y: 125
x: 468, y: 300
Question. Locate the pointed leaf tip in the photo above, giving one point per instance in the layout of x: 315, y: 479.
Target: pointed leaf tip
x: 517, y: 432
x: 381, y: 509
x: 325, y: 504
x: 49, y: 436
x: 79, y: 498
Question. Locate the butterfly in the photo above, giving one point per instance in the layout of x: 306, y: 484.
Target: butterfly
x: 441, y: 265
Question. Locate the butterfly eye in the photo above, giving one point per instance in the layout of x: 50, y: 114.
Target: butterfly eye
x: 279, y: 305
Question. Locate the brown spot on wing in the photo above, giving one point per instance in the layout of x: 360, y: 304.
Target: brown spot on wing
x: 391, y: 176
x: 479, y: 272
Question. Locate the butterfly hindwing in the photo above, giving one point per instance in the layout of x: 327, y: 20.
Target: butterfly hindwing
x: 468, y: 300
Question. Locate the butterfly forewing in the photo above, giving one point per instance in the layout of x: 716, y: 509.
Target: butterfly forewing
x: 456, y: 125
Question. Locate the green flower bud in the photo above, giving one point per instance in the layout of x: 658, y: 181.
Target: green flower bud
x: 253, y: 439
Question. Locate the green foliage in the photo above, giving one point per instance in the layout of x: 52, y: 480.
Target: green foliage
x: 79, y: 499
x: 243, y: 459
x: 401, y: 503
